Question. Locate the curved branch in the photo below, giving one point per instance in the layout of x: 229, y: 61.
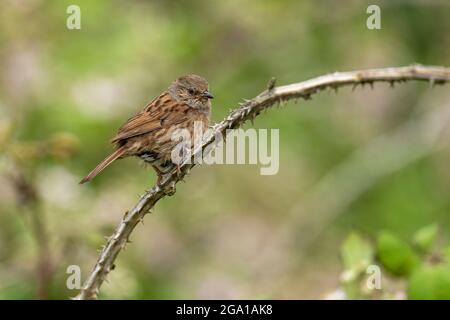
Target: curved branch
x: 247, y: 111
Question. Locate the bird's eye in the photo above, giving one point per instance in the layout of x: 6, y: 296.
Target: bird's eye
x: 191, y: 91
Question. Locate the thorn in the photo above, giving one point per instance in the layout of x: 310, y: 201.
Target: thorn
x: 371, y: 85
x: 354, y: 86
x: 271, y: 84
x: 392, y: 83
x: 432, y: 83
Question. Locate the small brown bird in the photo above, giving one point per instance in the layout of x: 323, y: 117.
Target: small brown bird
x: 148, y: 135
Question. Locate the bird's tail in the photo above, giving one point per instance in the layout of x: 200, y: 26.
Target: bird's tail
x: 102, y: 165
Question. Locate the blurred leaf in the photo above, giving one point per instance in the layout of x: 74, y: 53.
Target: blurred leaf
x: 425, y: 237
x: 396, y: 255
x: 6, y: 130
x: 357, y: 254
x: 430, y: 283
x: 63, y: 145
x: 25, y: 152
x: 352, y: 289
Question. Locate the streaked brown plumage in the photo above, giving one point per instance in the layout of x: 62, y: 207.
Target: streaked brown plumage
x: 148, y: 133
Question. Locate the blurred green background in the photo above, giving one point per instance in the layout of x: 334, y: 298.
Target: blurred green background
x: 363, y: 169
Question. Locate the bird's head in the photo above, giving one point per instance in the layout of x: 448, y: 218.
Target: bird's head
x: 192, y: 90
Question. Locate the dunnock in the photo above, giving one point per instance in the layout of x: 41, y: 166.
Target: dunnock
x: 148, y: 135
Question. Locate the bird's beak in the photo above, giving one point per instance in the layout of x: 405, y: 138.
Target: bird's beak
x: 208, y: 95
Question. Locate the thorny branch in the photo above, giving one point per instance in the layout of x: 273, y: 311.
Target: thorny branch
x: 248, y: 110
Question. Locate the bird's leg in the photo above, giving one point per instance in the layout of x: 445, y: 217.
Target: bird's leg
x: 170, y: 190
x: 159, y: 174
x: 178, y: 170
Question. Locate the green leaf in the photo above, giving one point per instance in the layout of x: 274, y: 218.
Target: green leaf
x: 425, y: 237
x: 395, y: 255
x: 357, y: 254
x: 430, y: 283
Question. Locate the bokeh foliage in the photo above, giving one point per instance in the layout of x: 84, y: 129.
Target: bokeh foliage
x: 413, y: 269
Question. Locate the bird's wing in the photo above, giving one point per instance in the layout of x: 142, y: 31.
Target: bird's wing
x: 155, y: 114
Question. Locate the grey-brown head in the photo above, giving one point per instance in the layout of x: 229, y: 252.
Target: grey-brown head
x: 192, y: 90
